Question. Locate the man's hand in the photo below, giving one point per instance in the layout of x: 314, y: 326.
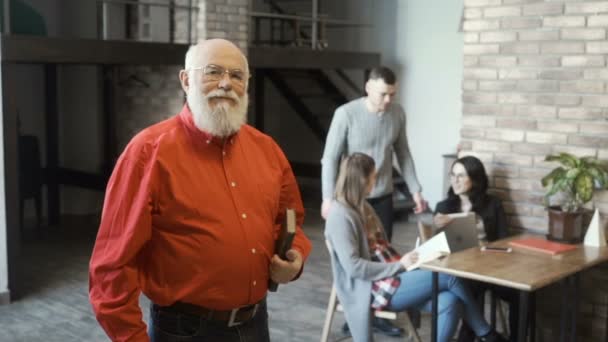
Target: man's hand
x: 325, y: 207
x: 283, y: 271
x: 441, y: 220
x: 409, y: 259
x: 421, y: 204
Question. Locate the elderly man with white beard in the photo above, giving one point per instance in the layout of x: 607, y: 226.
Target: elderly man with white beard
x: 191, y: 215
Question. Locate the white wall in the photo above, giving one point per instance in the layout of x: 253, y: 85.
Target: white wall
x: 419, y: 39
x: 429, y: 51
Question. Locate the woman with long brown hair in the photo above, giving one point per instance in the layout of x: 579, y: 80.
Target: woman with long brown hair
x: 364, y: 265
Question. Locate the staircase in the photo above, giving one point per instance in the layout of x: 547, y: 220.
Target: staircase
x: 313, y: 93
x: 314, y: 97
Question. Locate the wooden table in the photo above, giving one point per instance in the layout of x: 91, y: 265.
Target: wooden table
x: 523, y: 270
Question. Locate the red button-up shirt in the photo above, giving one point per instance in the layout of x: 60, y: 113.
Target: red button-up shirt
x: 192, y: 218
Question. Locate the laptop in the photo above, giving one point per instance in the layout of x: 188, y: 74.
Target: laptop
x: 461, y: 233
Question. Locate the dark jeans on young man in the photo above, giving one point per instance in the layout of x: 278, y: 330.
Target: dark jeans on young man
x: 171, y: 326
x: 383, y: 206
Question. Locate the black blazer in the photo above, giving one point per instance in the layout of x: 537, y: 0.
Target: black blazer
x: 492, y: 214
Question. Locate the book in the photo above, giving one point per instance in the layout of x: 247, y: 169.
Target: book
x: 434, y: 248
x: 284, y: 241
x: 542, y: 245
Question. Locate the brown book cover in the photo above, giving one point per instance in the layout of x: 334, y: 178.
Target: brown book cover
x: 284, y: 241
x: 542, y: 245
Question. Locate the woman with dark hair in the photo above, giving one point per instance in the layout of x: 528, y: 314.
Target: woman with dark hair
x: 368, y: 272
x: 469, y: 193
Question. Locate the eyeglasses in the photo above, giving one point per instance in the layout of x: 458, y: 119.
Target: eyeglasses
x: 215, y: 73
x: 459, y: 176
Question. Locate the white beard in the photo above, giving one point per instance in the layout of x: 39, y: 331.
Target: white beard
x: 223, y: 119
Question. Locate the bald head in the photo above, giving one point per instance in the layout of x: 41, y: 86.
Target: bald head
x: 214, y: 51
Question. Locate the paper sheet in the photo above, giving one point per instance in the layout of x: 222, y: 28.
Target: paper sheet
x: 432, y: 249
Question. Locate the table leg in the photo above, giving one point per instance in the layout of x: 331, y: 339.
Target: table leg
x: 532, y: 328
x: 574, y: 312
x: 434, y: 307
x: 564, y: 283
x: 523, y: 315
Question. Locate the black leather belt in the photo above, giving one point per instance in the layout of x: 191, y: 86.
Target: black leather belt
x: 232, y: 317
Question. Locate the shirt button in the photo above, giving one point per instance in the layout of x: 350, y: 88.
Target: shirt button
x: 244, y: 215
x: 233, y: 184
x: 253, y: 250
x: 208, y: 141
x: 254, y: 282
x: 223, y: 153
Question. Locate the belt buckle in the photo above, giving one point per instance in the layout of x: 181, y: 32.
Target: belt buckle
x: 232, y: 321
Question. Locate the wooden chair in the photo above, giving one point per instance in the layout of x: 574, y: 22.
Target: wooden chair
x: 425, y: 231
x: 333, y: 305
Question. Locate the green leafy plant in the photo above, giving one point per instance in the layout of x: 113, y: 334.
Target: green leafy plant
x: 576, y: 179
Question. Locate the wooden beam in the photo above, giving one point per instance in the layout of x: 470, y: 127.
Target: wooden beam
x: 47, y: 50
x: 52, y: 143
x: 50, y: 50
x: 302, y: 58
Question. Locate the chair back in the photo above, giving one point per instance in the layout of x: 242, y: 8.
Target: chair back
x: 425, y: 231
x: 333, y: 306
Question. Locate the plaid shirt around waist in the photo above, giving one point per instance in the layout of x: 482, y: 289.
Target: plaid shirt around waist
x: 383, y: 289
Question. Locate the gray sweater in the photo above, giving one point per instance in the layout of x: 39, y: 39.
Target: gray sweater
x: 353, y: 269
x: 355, y: 129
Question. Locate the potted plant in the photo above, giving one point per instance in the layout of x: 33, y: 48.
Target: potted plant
x: 572, y: 184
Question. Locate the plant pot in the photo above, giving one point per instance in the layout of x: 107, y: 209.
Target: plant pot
x: 566, y: 227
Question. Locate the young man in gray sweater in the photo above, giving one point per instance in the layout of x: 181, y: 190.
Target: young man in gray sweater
x: 373, y: 125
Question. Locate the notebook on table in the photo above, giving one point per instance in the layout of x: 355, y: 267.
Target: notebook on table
x: 542, y: 245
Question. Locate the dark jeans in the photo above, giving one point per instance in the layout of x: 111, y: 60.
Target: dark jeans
x: 175, y: 327
x: 383, y: 206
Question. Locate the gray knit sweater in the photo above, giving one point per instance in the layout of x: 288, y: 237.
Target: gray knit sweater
x: 355, y: 129
x: 353, y: 269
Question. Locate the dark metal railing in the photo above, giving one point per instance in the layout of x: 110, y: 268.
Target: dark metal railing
x: 296, y: 37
